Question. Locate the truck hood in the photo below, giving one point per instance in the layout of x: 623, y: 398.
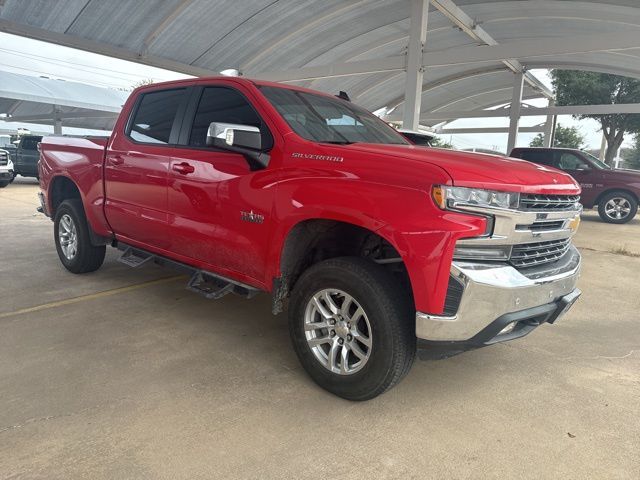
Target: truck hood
x: 622, y: 174
x: 480, y: 170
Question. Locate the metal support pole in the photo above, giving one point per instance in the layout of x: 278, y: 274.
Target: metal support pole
x: 514, y: 111
x: 57, y: 121
x: 549, y: 128
x: 415, y: 70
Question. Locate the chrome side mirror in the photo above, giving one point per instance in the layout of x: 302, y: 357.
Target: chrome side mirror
x: 231, y: 136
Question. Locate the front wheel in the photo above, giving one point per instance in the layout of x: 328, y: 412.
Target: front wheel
x: 4, y: 183
x: 617, y: 207
x: 71, y: 234
x: 352, y: 327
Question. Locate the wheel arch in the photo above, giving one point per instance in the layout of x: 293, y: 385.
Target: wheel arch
x: 63, y: 188
x: 312, y: 240
x: 614, y: 190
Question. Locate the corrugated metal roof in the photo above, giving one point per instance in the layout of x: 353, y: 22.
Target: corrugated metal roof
x: 271, y: 35
x: 33, y: 99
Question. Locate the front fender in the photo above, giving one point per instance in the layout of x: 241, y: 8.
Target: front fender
x: 407, y: 218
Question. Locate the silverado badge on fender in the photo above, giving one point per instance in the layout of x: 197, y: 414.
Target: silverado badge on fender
x: 251, y: 217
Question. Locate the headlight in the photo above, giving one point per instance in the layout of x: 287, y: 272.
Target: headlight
x: 447, y: 197
x: 484, y: 252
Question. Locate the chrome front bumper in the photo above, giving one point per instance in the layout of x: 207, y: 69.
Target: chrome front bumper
x: 492, y: 290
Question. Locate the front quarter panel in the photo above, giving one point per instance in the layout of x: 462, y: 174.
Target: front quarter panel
x: 354, y: 191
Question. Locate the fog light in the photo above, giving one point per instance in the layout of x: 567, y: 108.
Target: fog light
x: 508, y: 329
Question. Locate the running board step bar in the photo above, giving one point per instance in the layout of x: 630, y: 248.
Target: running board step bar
x: 133, y: 257
x: 208, y: 284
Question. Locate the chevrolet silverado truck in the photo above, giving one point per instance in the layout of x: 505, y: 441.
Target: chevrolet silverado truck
x: 616, y: 192
x: 379, y: 248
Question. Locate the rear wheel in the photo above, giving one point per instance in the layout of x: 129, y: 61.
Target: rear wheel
x: 71, y: 234
x: 351, y: 327
x: 617, y: 207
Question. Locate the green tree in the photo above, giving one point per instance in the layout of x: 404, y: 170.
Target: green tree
x: 631, y: 156
x: 439, y: 143
x: 565, y: 137
x: 592, y: 88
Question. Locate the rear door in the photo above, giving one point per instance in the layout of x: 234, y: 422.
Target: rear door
x: 137, y: 165
x: 219, y: 209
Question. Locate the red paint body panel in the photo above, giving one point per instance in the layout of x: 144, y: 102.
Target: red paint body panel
x: 136, y: 194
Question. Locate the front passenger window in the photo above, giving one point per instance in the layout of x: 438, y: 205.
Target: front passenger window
x: 225, y: 105
x: 570, y: 161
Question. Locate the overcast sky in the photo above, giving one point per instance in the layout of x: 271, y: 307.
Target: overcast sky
x: 32, y: 57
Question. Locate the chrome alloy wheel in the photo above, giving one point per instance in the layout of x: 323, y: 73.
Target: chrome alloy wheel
x: 338, y: 332
x: 617, y: 208
x: 68, y: 236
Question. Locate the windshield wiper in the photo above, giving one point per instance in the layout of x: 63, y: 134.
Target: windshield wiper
x: 337, y: 142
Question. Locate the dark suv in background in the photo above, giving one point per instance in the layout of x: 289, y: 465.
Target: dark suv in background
x: 26, y: 163
x: 614, y: 191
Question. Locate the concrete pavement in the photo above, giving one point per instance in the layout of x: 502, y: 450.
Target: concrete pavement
x: 124, y: 374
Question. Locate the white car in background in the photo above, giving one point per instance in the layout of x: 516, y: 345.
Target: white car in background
x: 6, y: 169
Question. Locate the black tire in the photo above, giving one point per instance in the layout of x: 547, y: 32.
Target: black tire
x: 87, y: 258
x: 390, y: 313
x: 4, y: 183
x: 624, y: 199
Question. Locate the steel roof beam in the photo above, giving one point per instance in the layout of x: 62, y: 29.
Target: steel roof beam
x: 605, y: 109
x: 469, y: 26
x: 71, y: 41
x: 470, y: 130
x: 516, y: 49
x: 59, y: 114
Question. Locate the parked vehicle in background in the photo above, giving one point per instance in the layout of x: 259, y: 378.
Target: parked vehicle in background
x: 6, y: 169
x: 615, y: 192
x: 7, y: 144
x: 381, y: 247
x: 417, y: 138
x: 27, y: 156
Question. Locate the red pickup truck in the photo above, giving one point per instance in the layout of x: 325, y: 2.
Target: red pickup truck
x: 379, y: 248
x: 615, y: 191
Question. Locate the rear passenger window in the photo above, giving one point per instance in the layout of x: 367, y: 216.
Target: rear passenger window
x: 31, y: 143
x: 225, y: 105
x: 154, y: 116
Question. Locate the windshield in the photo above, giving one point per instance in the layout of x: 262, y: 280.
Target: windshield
x: 599, y: 164
x: 327, y: 120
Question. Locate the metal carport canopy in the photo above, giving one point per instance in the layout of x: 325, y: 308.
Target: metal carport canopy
x: 47, y: 101
x: 473, y: 48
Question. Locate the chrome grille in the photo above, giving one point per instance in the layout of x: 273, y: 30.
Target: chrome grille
x: 4, y: 158
x: 532, y: 254
x: 536, y: 202
x: 542, y: 226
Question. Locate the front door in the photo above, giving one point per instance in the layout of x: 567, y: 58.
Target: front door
x: 219, y: 210
x: 584, y: 174
x: 136, y: 169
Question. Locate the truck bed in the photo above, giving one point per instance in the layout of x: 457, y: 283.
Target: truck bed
x: 80, y: 159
